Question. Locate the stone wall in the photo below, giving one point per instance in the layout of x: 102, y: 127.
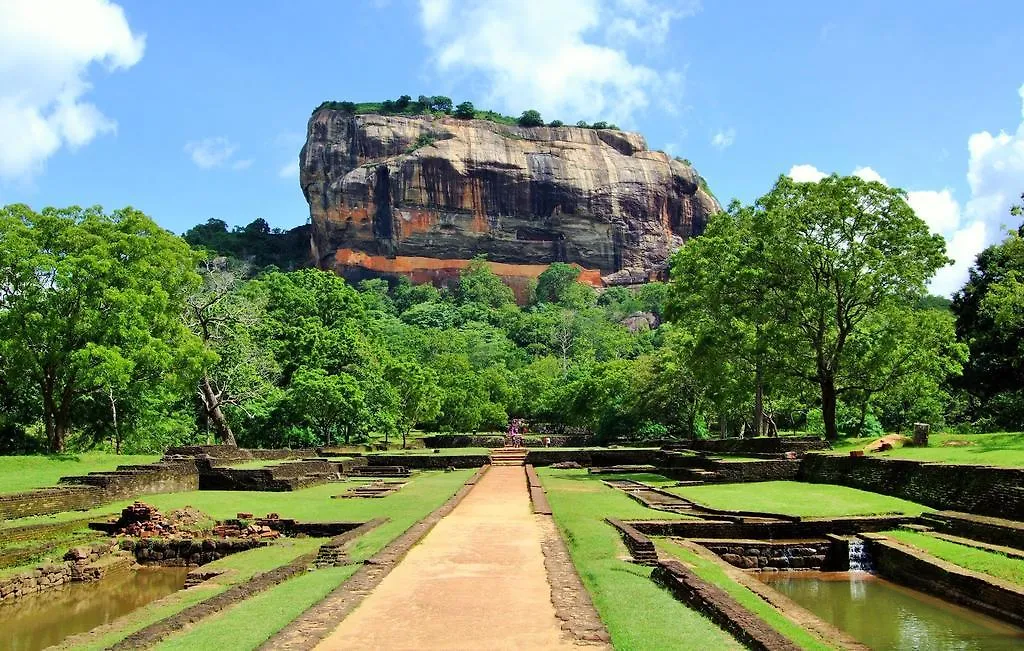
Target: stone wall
x: 758, y: 445
x: 80, y: 564
x: 286, y: 476
x: 50, y: 500
x: 429, y: 461
x: 596, y: 457
x: 720, y: 607
x: 770, y: 554
x: 810, y: 528
x: 919, y: 570
x: 186, y: 551
x: 762, y: 470
x: 982, y: 490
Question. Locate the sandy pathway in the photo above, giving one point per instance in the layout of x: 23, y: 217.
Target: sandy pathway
x: 477, y: 581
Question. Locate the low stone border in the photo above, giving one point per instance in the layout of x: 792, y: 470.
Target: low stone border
x: 806, y: 528
x: 640, y: 546
x: 157, y: 631
x: 996, y: 531
x: 310, y: 628
x: 570, y: 598
x: 538, y: 497
x: 41, y: 531
x: 910, y: 566
x: 717, y: 604
x: 790, y: 609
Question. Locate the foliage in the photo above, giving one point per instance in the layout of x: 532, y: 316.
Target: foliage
x: 819, y: 284
x: 90, y: 310
x: 531, y: 118
x: 257, y: 245
x: 989, y: 313
x: 465, y: 111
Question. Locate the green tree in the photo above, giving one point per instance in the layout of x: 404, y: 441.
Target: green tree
x: 465, y: 111
x: 530, y: 118
x: 554, y: 283
x: 441, y: 103
x: 333, y: 405
x: 91, y: 304
x: 989, y: 313
x: 478, y: 284
x: 832, y: 257
x: 238, y: 369
x: 419, y: 396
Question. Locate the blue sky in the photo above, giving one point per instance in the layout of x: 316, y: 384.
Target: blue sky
x: 192, y: 110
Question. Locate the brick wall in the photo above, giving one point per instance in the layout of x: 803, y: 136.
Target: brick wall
x: 50, y: 500
x: 983, y: 490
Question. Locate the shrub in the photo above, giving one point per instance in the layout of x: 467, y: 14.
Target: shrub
x: 531, y: 118
x: 465, y: 111
x: 441, y: 103
x: 556, y: 123
x: 583, y: 124
x: 599, y: 125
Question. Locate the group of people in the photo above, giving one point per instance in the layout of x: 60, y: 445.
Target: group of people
x: 516, y: 430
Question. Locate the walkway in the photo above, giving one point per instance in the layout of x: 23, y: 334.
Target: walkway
x: 477, y: 581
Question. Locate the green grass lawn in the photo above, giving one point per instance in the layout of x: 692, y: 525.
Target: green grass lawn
x: 714, y: 574
x: 638, y: 613
x: 796, y: 498
x: 248, y: 624
x: 252, y: 622
x: 978, y: 560
x: 241, y: 567
x: 21, y: 473
x: 996, y: 449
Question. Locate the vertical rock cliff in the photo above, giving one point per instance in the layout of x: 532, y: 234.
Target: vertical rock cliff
x: 420, y: 196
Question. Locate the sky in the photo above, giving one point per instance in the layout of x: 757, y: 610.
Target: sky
x: 194, y: 110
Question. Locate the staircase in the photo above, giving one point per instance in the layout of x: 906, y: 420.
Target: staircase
x: 508, y: 456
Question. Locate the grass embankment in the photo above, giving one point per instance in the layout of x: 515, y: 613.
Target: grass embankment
x: 638, y: 613
x: 22, y: 473
x: 714, y: 574
x: 996, y: 449
x: 796, y: 498
x: 250, y: 623
x: 977, y: 560
x: 238, y: 569
x: 444, y: 452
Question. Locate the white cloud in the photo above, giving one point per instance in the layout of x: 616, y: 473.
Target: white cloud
x: 214, y: 152
x: 806, y: 174
x: 869, y: 174
x: 46, y: 50
x: 289, y: 171
x: 995, y: 175
x: 243, y: 164
x: 566, y: 59
x: 724, y: 139
x: 937, y: 208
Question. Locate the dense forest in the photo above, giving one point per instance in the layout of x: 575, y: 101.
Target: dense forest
x: 805, y: 311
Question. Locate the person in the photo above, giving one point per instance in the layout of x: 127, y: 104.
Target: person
x: 547, y: 441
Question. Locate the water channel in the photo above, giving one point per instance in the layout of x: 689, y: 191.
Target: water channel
x: 884, y: 615
x: 39, y: 620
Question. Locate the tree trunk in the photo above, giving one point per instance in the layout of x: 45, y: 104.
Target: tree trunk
x: 758, y: 401
x: 723, y: 427
x: 405, y: 434
x: 211, y: 402
x: 828, y: 408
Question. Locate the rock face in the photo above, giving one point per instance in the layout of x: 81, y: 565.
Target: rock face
x: 421, y: 196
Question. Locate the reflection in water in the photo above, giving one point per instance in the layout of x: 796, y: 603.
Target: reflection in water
x: 40, y: 620
x: 884, y: 615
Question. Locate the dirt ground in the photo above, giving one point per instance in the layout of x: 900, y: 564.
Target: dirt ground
x: 477, y: 581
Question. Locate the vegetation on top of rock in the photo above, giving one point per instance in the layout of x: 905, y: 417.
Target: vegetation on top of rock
x: 256, y: 244
x: 441, y: 105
